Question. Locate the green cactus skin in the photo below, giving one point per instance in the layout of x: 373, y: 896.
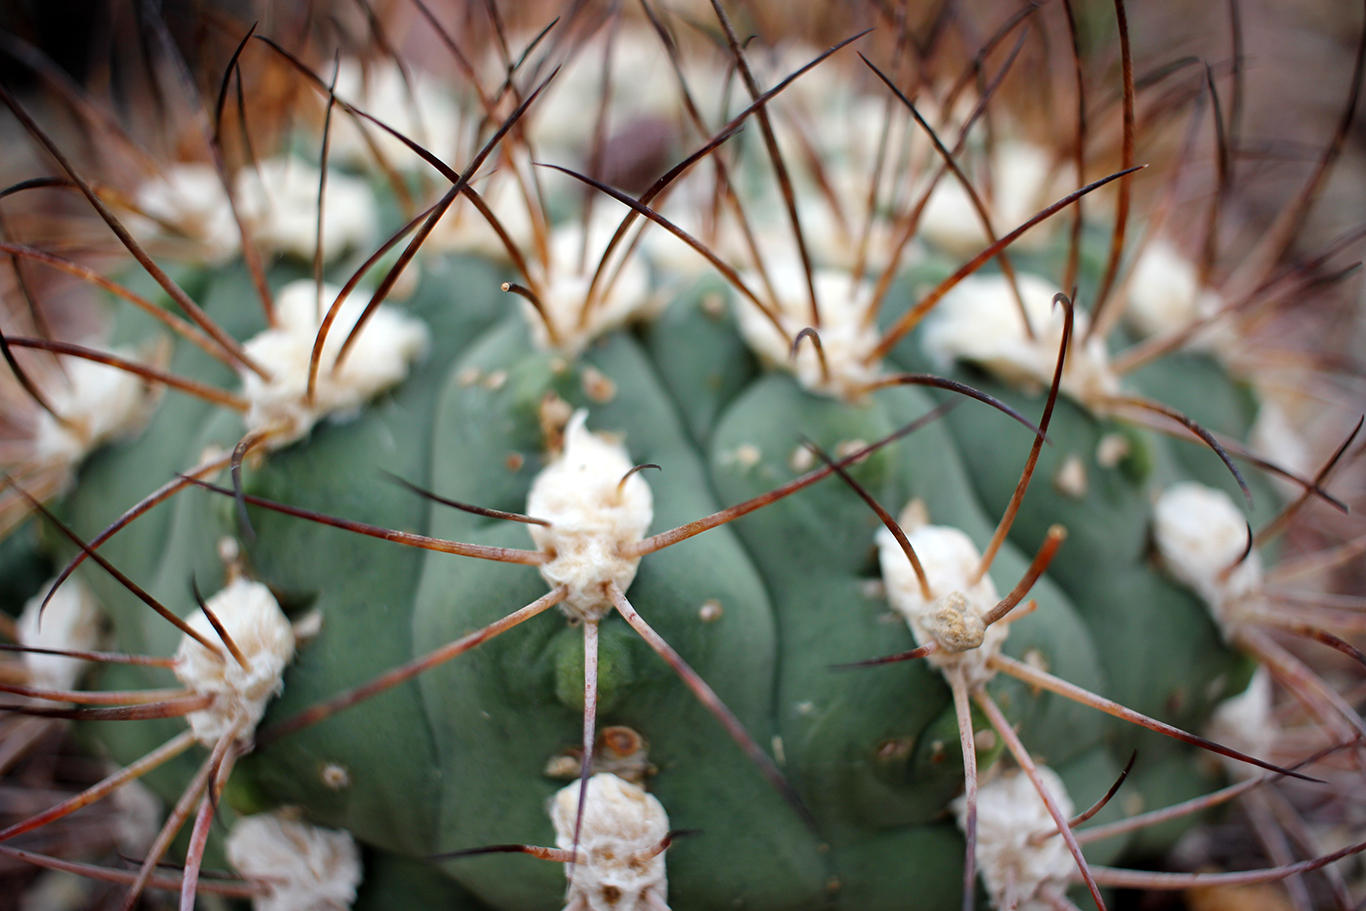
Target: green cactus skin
x: 455, y: 759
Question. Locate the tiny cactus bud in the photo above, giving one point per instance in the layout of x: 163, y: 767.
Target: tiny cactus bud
x: 620, y: 836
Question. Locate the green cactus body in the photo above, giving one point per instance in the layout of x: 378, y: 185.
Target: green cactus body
x: 761, y: 610
x: 456, y: 759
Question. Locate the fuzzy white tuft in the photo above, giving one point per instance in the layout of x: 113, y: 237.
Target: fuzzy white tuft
x: 417, y: 108
x: 1200, y: 535
x: 644, y: 88
x: 1164, y: 293
x: 953, y: 616
x: 304, y: 868
x: 622, y: 826
x: 847, y: 337
x: 1244, y: 723
x: 980, y: 321
x: 1275, y: 437
x: 592, y: 515
x: 464, y: 229
x: 71, y: 623
x: 379, y: 359
x: 1009, y: 811
x: 254, y: 621
x: 189, y: 198
x: 1020, y: 178
x: 98, y: 403
x: 564, y: 285
x: 279, y: 201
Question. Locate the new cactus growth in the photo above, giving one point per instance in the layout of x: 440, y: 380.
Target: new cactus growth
x: 622, y: 833
x: 594, y: 422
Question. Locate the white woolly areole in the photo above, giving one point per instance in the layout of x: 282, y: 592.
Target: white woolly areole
x: 1276, y: 438
x: 564, y: 285
x: 1020, y: 181
x: 1009, y: 811
x: 953, y: 616
x: 689, y: 206
x: 255, y: 623
x: 847, y: 337
x: 979, y: 321
x: 836, y: 238
x: 643, y: 86
x: 390, y: 341
x: 304, y: 868
x: 280, y: 203
x: 464, y: 228
x: 1244, y: 723
x: 70, y: 623
x: 1164, y: 293
x: 827, y: 120
x: 621, y: 826
x: 420, y: 110
x: 1199, y: 534
x: 99, y: 403
x: 189, y: 198
x: 592, y: 515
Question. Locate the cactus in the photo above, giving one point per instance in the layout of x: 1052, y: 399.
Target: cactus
x: 420, y: 720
